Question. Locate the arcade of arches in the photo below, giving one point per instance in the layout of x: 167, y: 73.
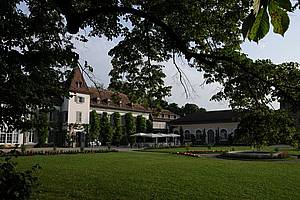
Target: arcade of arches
x: 218, y: 135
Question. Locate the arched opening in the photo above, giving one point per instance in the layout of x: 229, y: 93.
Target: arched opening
x: 210, y: 136
x: 223, y: 134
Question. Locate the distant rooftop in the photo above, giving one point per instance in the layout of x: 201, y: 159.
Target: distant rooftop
x: 222, y: 116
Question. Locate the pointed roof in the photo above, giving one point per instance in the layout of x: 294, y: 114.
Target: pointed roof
x: 77, y: 82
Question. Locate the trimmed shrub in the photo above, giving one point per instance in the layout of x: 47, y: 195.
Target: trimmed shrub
x: 16, y: 185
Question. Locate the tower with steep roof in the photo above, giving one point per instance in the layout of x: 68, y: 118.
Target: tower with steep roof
x: 76, y: 109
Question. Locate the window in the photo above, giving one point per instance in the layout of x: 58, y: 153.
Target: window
x: 30, y: 137
x: 78, y: 116
x: 2, y: 137
x: 162, y: 115
x: 169, y: 116
x: 79, y: 99
x: 16, y: 138
x: 9, y: 138
x: 223, y: 134
x: 78, y: 84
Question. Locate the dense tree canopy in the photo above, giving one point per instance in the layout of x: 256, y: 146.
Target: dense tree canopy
x: 35, y: 51
x: 186, y: 109
x: 206, y: 33
x: 265, y: 127
x: 35, y: 45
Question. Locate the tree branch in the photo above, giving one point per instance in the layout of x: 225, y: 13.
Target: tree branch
x: 75, y: 20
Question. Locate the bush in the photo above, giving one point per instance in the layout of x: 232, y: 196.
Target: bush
x: 16, y: 185
x: 54, y: 152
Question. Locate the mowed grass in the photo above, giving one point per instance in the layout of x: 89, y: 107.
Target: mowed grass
x: 140, y: 175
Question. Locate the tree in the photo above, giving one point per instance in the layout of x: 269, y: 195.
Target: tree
x: 265, y: 127
x: 149, y: 126
x: 42, y: 127
x: 206, y: 34
x: 140, y: 124
x: 36, y: 53
x: 296, y: 139
x: 181, y: 135
x: 117, y: 129
x: 190, y: 108
x: 173, y: 107
x: 106, y: 129
x: 94, y: 130
x: 210, y: 42
x: 129, y: 127
x: 217, y: 138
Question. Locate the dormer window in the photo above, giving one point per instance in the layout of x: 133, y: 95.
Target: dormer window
x: 98, y: 100
x: 107, y: 101
x: 78, y: 84
x: 130, y: 104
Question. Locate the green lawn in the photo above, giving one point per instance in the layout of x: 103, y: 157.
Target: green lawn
x: 140, y: 175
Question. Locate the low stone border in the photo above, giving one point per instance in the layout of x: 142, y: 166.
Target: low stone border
x: 255, y: 155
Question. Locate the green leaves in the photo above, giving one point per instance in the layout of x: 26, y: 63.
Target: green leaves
x: 279, y: 17
x: 256, y: 25
x: 285, y: 4
x: 260, y: 26
x: 248, y: 23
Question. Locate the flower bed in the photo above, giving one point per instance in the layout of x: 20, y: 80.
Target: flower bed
x: 56, y: 152
x: 197, y: 153
x: 206, y: 151
x: 187, y: 154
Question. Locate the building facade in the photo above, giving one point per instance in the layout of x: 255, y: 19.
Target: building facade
x: 162, y: 120
x: 212, y: 127
x: 70, y: 117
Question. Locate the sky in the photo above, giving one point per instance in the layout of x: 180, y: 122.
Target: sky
x: 274, y: 47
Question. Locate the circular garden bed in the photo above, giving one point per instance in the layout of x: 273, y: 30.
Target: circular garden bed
x: 255, y: 155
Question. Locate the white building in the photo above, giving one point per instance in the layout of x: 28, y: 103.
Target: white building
x: 208, y: 126
x: 71, y: 115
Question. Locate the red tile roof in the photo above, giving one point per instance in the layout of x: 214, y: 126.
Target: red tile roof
x: 77, y: 82
x: 114, y: 100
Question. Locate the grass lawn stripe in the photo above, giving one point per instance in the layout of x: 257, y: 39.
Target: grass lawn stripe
x: 138, y: 175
